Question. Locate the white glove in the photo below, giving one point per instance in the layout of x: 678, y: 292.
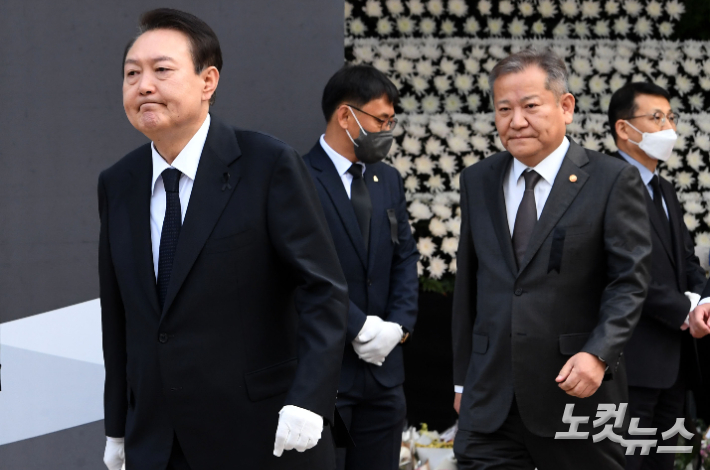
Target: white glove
x: 114, y: 455
x: 377, y: 339
x: 694, y: 299
x: 298, y: 429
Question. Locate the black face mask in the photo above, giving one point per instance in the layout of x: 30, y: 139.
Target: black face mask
x: 371, y: 147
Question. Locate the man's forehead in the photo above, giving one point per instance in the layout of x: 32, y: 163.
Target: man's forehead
x: 652, y: 103
x: 159, y: 44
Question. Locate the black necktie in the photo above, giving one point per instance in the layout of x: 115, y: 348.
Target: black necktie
x: 360, y: 198
x: 658, y: 203
x: 171, y: 230
x: 526, y: 218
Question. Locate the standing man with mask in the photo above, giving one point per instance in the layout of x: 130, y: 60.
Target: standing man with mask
x: 553, y: 267
x: 223, y: 304
x: 661, y: 359
x: 364, y: 205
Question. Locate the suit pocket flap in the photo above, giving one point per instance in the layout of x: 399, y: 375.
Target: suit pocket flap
x: 480, y: 343
x: 270, y: 381
x: 571, y: 344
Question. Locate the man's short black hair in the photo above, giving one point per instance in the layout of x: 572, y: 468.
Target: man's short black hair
x: 623, y: 101
x: 204, y: 45
x: 356, y: 85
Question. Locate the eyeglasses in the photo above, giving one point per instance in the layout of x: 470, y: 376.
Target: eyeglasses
x: 384, y: 125
x: 660, y: 118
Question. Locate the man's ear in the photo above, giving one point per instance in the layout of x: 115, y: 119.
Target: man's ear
x: 622, y: 132
x: 342, y: 115
x: 567, y: 102
x: 210, y: 76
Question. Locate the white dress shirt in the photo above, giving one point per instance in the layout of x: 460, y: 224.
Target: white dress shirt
x: 342, y: 165
x: 514, y: 187
x: 186, y: 161
x: 646, y: 177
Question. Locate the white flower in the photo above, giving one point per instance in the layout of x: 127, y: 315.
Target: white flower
x: 623, y: 66
x: 632, y: 7
x: 684, y: 128
x: 609, y: 143
x: 585, y: 103
x: 425, y: 246
x: 693, y: 206
x: 676, y: 103
x: 431, y: 51
x: 479, y: 53
x: 409, y: 104
x: 437, y: 267
x: 402, y: 164
x: 435, y: 183
x: 561, y: 30
x: 440, y: 209
x: 458, y: 7
x: 433, y: 146
x: 404, y: 66
x: 423, y: 165
x: 526, y: 8
x: 430, y: 104
x: 597, y: 84
x: 517, y: 27
x: 705, y: 82
x: 419, y: 84
x: 490, y: 63
x: 602, y: 64
x: 439, y: 128
x: 674, y: 8
x: 447, y: 164
x: 591, y: 143
x: 547, y: 8
x: 452, y: 104
x: 643, y: 26
x: 384, y: 27
x: 469, y: 160
x: 495, y: 26
x: 454, y: 226
x: 696, y: 101
x: 437, y: 227
x: 425, y: 69
x: 452, y: 266
x: 483, y: 125
x: 702, y: 141
x: 654, y: 9
x: 462, y: 131
x: 411, y: 184
x: 622, y: 26
x: 604, y: 102
x: 357, y: 27
x: 683, y: 84
x: 601, y: 28
x: 582, y: 66
x: 704, y: 179
x: 538, y: 28
x: 471, y: 27
x: 463, y: 83
x: 624, y: 51
x: 457, y: 144
x: 420, y: 266
x: 363, y: 53
x: 472, y: 66
x: 395, y: 7
x: 427, y: 26
x: 454, y: 182
x: 576, y: 84
x: 483, y: 84
x: 497, y: 51
x: 435, y: 7
x: 415, y: 129
x: 454, y: 51
x: 373, y: 8
x: 691, y: 67
x: 702, y: 239
x: 412, y: 146
x: 473, y: 101
x: 449, y: 246
x: 649, y: 51
x: 418, y: 210
x: 611, y: 7
x: 668, y: 67
x: 590, y: 9
x: 666, y: 29
x: 505, y: 7
x: 616, y: 82
x: 693, y: 50
x: 448, y: 66
x: 644, y: 65
x: 484, y: 7
x: 691, y: 222
x: 581, y: 29
x: 569, y: 8
x: 673, y: 162
x: 442, y: 83
x: 406, y: 25
x: 387, y: 51
x: 348, y: 10
x: 479, y: 143
x: 416, y: 7
x: 684, y: 179
x: 695, y: 160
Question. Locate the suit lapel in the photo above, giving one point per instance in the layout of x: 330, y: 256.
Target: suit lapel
x: 379, y: 211
x: 217, y: 177
x: 139, y: 210
x: 561, y: 196
x: 333, y: 184
x: 495, y: 200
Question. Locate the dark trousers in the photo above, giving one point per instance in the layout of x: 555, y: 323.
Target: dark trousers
x: 177, y: 458
x: 513, y: 447
x: 375, y: 417
x: 656, y: 408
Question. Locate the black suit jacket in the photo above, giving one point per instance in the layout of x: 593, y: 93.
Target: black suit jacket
x: 580, y: 287
x: 653, y: 354
x: 254, y: 317
x: 383, y: 280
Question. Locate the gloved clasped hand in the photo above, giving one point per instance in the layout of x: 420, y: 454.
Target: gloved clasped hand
x: 377, y: 339
x: 298, y: 429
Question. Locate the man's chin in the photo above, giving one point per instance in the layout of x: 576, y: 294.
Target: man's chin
x: 148, y: 122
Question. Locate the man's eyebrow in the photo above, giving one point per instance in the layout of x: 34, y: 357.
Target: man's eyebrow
x: 161, y: 58
x: 530, y: 97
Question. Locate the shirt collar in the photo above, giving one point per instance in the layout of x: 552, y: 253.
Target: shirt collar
x: 342, y: 164
x: 646, y: 174
x: 187, y: 160
x: 548, y: 167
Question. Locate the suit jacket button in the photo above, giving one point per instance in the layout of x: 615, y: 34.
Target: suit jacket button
x: 163, y: 338
x: 518, y: 291
x: 369, y: 282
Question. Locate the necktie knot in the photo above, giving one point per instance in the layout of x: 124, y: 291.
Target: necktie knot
x: 356, y: 171
x: 171, y: 180
x: 532, y: 177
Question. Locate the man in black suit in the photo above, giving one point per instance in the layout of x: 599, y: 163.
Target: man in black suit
x: 553, y: 267
x: 660, y: 356
x: 364, y: 204
x: 224, y: 308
